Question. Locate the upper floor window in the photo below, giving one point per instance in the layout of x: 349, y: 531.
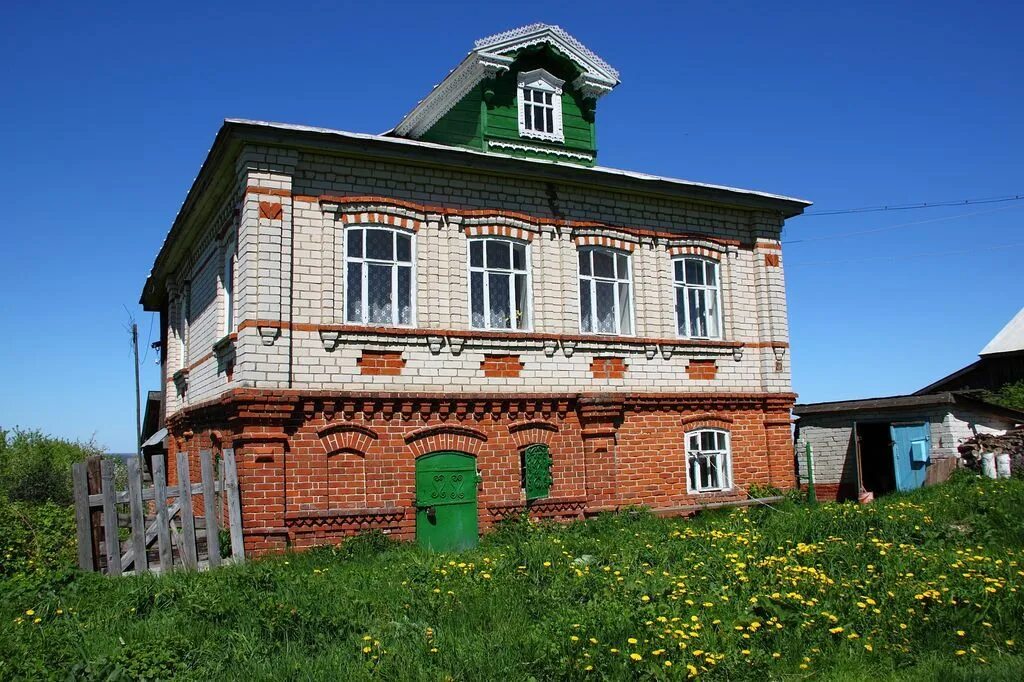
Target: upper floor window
x: 378, y: 276
x: 606, y: 299
x: 499, y: 284
x: 540, y: 105
x: 698, y: 314
x: 708, y: 460
x: 228, y: 282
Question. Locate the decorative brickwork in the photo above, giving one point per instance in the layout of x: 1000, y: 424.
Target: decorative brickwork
x: 315, y: 467
x: 271, y: 210
x: 608, y: 368
x: 702, y: 370
x: 507, y: 366
x: 384, y: 363
x: 771, y: 260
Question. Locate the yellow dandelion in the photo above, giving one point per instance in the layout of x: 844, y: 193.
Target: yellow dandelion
x: 636, y: 657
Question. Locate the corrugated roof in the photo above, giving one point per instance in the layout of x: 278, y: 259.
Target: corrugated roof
x: 1010, y: 338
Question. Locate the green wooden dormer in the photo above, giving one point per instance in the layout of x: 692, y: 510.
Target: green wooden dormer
x: 531, y: 92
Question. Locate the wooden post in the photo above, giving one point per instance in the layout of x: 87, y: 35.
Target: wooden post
x: 138, y: 516
x: 234, y: 506
x: 210, y: 508
x: 95, y: 484
x: 188, y: 521
x: 163, y: 533
x: 110, y: 539
x: 80, y: 480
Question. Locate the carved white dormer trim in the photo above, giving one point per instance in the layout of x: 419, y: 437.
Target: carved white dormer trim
x: 538, y: 94
x: 491, y: 56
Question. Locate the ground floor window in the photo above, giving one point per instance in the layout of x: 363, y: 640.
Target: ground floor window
x: 536, y: 466
x: 708, y: 460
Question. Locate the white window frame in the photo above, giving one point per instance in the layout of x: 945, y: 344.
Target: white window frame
x: 712, y: 290
x: 591, y: 281
x: 724, y: 458
x: 363, y: 261
x: 540, y: 80
x: 511, y: 272
x: 184, y: 319
x: 228, y: 284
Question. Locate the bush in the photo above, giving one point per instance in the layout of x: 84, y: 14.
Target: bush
x: 37, y: 468
x: 35, y: 539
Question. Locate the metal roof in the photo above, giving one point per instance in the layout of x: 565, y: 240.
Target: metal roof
x: 603, y: 170
x: 904, y: 402
x: 1009, y: 339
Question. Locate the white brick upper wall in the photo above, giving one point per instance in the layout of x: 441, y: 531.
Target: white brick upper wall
x: 290, y: 272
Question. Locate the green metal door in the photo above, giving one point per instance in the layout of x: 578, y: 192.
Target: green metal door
x: 446, y: 501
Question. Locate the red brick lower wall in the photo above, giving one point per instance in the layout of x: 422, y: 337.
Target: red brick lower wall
x: 316, y: 467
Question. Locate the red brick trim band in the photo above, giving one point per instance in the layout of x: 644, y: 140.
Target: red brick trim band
x: 499, y: 231
x: 597, y: 240
x: 268, y: 191
x: 515, y: 215
x: 701, y: 251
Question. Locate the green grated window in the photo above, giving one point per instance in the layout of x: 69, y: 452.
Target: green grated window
x: 537, y: 471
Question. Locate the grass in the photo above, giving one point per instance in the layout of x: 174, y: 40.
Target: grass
x: 920, y: 586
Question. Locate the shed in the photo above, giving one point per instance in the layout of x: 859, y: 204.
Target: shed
x: 881, y: 445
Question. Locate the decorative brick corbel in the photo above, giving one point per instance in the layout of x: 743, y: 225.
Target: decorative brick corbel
x: 269, y: 334
x: 330, y: 339
x: 181, y: 380
x: 434, y: 343
x: 455, y: 344
x: 568, y: 347
x: 667, y: 351
x: 550, y: 346
x: 650, y: 350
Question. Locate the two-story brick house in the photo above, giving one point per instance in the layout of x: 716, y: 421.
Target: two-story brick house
x: 429, y: 330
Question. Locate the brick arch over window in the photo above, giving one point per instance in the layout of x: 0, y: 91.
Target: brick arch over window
x: 707, y: 421
x: 354, y: 438
x: 500, y: 226
x: 534, y: 431
x: 446, y: 437
x: 695, y: 250
x: 376, y: 211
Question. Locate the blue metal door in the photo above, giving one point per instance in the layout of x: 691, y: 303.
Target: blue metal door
x: 911, y: 452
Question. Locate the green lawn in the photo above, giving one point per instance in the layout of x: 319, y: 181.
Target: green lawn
x: 922, y: 586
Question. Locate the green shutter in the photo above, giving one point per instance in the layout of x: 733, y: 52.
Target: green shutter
x: 537, y: 471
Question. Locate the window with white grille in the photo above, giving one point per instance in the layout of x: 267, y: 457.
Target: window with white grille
x: 606, y: 298
x: 708, y: 460
x: 499, y: 284
x: 698, y: 313
x: 378, y: 276
x: 540, y: 106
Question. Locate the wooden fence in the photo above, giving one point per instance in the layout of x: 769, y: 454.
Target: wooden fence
x: 157, y: 515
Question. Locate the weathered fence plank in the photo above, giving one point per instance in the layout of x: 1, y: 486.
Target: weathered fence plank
x: 110, y: 538
x: 210, y: 508
x: 139, y: 560
x: 95, y: 483
x: 188, y: 525
x: 234, y: 505
x: 79, y: 477
x: 163, y: 534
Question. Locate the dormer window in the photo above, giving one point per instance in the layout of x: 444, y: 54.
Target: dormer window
x: 540, y: 106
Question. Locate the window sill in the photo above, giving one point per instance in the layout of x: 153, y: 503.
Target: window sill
x: 225, y: 343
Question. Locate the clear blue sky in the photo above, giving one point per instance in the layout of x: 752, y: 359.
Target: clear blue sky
x: 107, y: 112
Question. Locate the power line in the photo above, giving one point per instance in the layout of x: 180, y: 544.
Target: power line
x: 897, y: 225
x: 909, y: 207
x: 907, y: 256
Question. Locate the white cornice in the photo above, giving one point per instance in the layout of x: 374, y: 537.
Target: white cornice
x: 490, y: 57
x: 542, y: 150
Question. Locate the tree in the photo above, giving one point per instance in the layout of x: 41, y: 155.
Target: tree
x: 35, y: 467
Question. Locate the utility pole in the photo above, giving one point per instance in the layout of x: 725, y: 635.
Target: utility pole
x: 138, y: 396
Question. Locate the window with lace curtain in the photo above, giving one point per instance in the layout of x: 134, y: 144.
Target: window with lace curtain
x: 379, y: 277
x: 698, y: 313
x: 499, y: 284
x: 606, y: 297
